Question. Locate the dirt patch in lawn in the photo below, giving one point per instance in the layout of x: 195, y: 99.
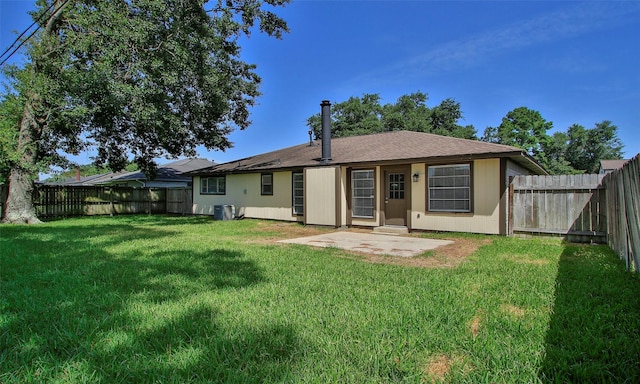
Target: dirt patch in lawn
x: 271, y: 231
x: 513, y: 310
x: 438, y: 367
x: 446, y: 256
x: 476, y: 322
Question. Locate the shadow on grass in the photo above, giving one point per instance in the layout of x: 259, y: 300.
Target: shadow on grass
x: 594, y: 332
x: 71, y: 310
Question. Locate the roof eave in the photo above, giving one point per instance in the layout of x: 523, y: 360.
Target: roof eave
x: 520, y: 157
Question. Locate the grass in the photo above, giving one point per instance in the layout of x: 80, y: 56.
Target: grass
x: 171, y: 299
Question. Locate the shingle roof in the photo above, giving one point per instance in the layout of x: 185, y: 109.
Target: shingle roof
x: 167, y: 172
x: 380, y: 147
x: 612, y: 164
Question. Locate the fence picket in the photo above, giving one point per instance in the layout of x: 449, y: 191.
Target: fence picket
x: 559, y: 205
x: 582, y: 208
x: 65, y: 201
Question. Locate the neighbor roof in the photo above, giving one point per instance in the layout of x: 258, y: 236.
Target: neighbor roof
x: 612, y: 164
x: 379, y: 147
x: 167, y: 172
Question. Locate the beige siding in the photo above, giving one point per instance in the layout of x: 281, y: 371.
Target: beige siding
x: 320, y: 193
x: 344, y: 194
x: 486, y: 202
x: 243, y: 191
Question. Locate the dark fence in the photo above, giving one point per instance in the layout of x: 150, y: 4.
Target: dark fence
x: 67, y: 201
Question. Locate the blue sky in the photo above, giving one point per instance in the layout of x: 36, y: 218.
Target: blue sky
x: 574, y: 62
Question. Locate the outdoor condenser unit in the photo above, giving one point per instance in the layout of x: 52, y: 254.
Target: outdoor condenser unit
x: 224, y: 212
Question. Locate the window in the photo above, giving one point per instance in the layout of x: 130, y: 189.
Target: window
x: 362, y: 193
x: 297, y: 193
x: 213, y: 185
x: 396, y: 185
x: 266, y: 184
x: 450, y: 188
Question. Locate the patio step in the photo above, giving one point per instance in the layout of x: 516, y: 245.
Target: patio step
x: 391, y: 230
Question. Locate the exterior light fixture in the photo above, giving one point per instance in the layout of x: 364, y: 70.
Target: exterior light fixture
x: 416, y: 177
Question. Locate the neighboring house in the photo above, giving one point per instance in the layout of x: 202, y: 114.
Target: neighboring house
x: 401, y: 178
x: 607, y: 166
x: 169, y: 175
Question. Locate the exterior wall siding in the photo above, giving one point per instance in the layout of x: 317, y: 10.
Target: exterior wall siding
x: 485, y: 214
x: 243, y: 191
x: 513, y: 169
x: 320, y: 194
x: 327, y: 194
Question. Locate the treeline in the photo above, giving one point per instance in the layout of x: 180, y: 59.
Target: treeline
x: 577, y: 150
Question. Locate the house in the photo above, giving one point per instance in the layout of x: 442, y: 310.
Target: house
x: 411, y: 179
x: 607, y: 166
x: 169, y: 175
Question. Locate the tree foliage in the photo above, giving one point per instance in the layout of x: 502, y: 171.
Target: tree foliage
x: 523, y: 128
x: 579, y: 150
x: 141, y: 79
x: 586, y: 147
x: 365, y: 115
x: 10, y: 111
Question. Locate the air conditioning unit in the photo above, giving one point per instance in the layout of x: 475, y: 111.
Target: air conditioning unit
x: 224, y: 212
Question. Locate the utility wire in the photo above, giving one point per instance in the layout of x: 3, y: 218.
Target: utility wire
x: 28, y: 28
x: 37, y: 21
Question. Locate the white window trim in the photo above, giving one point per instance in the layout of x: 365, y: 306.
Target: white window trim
x: 217, y: 182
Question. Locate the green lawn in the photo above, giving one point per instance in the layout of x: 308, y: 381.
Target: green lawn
x: 171, y: 299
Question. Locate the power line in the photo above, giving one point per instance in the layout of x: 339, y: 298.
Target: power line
x: 28, y: 28
x: 37, y: 21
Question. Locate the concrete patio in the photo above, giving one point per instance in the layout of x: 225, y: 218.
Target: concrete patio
x: 374, y: 243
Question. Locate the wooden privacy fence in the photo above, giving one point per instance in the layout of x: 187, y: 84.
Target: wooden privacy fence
x: 64, y: 201
x: 573, y: 206
x: 179, y: 200
x: 583, y: 208
x: 623, y: 202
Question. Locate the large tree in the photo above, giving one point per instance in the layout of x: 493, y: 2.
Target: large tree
x: 523, y: 128
x: 10, y: 112
x: 444, y: 119
x: 555, y: 149
x: 141, y: 78
x: 586, y: 147
x: 578, y: 150
x: 361, y: 116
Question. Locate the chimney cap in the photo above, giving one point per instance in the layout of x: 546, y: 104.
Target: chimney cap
x: 325, y: 102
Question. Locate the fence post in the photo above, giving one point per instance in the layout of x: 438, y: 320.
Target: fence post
x: 110, y: 201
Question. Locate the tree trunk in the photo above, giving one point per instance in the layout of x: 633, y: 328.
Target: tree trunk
x: 19, y: 208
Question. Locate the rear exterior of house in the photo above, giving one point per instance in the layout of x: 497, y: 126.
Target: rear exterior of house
x: 416, y: 180
x: 468, y: 196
